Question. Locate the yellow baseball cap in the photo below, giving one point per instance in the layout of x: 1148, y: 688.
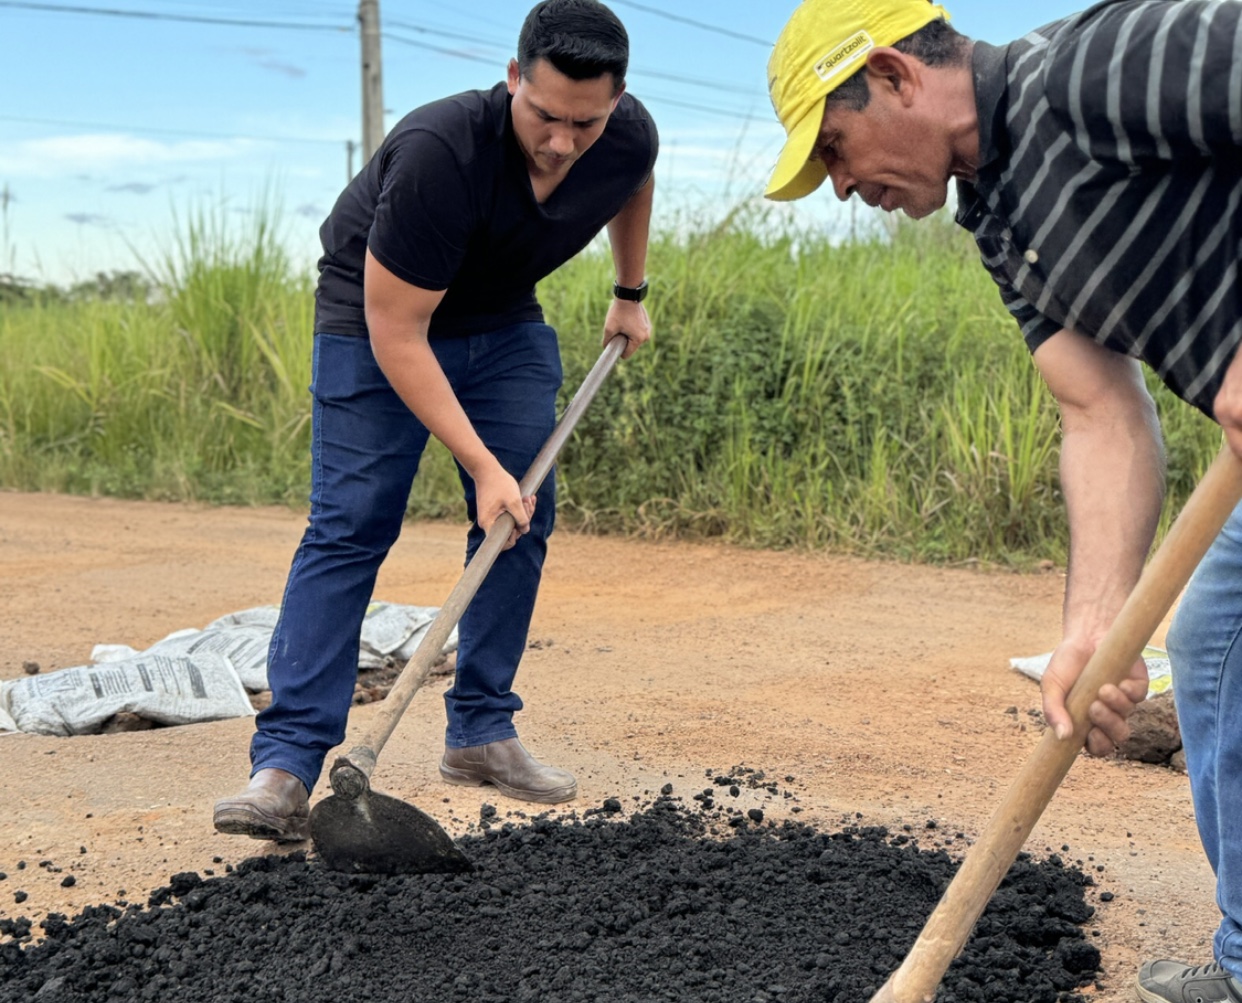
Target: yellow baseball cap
x: 824, y: 44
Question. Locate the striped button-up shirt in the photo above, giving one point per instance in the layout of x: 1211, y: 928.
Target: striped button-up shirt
x: 1107, y: 196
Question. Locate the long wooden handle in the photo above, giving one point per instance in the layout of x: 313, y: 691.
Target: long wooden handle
x: 351, y: 772
x: 991, y: 857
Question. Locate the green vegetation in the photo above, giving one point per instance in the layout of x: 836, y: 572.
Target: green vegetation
x: 870, y: 397
x: 190, y: 387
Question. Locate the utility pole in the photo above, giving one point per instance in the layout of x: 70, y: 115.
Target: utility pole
x: 372, y: 78
x: 350, y: 146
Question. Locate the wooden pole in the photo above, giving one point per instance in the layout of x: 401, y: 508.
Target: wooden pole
x: 372, y: 78
x: 987, y: 862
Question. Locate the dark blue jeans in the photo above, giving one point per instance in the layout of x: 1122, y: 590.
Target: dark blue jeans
x: 1205, y: 651
x: 365, y: 449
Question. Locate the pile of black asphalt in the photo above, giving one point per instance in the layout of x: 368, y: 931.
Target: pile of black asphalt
x: 688, y: 900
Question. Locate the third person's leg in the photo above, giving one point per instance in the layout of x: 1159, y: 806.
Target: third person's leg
x: 1205, y: 649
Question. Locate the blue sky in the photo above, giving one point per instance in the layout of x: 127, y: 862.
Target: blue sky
x: 110, y: 126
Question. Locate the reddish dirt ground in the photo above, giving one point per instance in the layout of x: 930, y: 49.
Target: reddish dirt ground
x: 881, y: 688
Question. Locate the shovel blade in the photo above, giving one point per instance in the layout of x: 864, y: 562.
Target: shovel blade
x: 377, y: 834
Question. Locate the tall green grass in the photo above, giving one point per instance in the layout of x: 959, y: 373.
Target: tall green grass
x: 197, y: 392
x: 870, y: 396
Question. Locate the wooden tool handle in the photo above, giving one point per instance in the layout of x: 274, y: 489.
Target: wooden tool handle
x: 990, y: 858
x: 351, y: 772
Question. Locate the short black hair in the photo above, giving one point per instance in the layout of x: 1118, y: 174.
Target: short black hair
x: 935, y: 44
x: 583, y: 39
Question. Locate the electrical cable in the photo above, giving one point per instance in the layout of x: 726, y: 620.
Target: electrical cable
x: 195, y: 134
x: 702, y: 25
x: 455, y: 53
x: 649, y: 98
x: 716, y: 85
x: 390, y: 36
x: 240, y: 22
x: 698, y: 82
x: 153, y: 16
x: 426, y: 30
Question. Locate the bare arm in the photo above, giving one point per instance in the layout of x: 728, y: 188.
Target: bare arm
x: 1228, y: 404
x: 627, y: 233
x: 1112, y: 473
x: 399, y: 318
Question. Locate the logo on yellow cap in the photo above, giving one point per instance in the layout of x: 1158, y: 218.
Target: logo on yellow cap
x: 844, y: 56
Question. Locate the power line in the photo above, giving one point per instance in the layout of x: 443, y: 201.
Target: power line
x: 425, y: 30
x: 647, y: 8
x: 645, y: 97
x: 456, y: 8
x: 693, y: 23
x: 715, y: 85
x: 390, y: 36
x: 152, y: 16
x: 649, y: 98
x: 195, y: 134
x: 302, y: 26
x: 455, y: 53
x: 270, y: 8
x: 697, y: 82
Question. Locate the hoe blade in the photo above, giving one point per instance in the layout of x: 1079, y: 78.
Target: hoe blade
x: 377, y: 834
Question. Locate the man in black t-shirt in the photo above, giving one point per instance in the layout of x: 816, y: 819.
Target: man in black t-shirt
x: 427, y: 324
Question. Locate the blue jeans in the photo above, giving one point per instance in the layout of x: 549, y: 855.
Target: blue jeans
x: 1206, y: 656
x: 365, y: 449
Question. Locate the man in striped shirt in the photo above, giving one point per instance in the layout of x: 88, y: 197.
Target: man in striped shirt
x: 1098, y: 163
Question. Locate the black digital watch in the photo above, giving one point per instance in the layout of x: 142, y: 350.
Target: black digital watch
x: 635, y: 294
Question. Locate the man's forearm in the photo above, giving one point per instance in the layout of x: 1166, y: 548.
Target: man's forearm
x: 1112, y: 475
x: 399, y: 322
x: 628, y: 233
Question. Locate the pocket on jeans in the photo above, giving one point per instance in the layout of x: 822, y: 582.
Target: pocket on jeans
x: 551, y: 345
x: 344, y: 367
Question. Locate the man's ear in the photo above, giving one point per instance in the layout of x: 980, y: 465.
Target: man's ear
x: 894, y: 70
x: 515, y: 76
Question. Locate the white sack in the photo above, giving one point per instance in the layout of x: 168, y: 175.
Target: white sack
x: 1159, y: 674
x: 77, y: 701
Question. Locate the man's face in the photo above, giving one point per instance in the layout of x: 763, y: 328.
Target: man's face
x: 556, y: 118
x: 886, y: 153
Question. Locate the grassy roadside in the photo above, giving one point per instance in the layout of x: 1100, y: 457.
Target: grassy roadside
x: 871, y: 397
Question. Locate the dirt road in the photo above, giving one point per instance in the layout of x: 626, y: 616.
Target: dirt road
x: 882, y: 689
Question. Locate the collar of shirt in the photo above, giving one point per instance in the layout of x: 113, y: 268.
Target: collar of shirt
x: 991, y: 78
x: 991, y: 84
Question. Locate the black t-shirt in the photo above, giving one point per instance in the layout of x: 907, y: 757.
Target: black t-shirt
x: 446, y: 203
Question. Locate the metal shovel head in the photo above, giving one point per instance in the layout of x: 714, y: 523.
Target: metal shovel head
x: 377, y: 834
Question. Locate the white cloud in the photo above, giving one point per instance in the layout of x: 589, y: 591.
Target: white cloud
x: 65, y: 156
x: 88, y: 219
x: 288, y: 69
x: 132, y: 188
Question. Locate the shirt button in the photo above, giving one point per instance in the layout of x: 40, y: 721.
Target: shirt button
x: 1032, y: 256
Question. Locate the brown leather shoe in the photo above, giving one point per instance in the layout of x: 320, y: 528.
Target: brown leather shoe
x: 508, y: 767
x: 274, y: 806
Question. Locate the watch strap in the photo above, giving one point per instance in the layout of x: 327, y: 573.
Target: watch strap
x: 635, y: 294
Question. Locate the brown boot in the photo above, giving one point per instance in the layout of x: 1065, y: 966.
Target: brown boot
x: 274, y: 806
x: 508, y: 767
